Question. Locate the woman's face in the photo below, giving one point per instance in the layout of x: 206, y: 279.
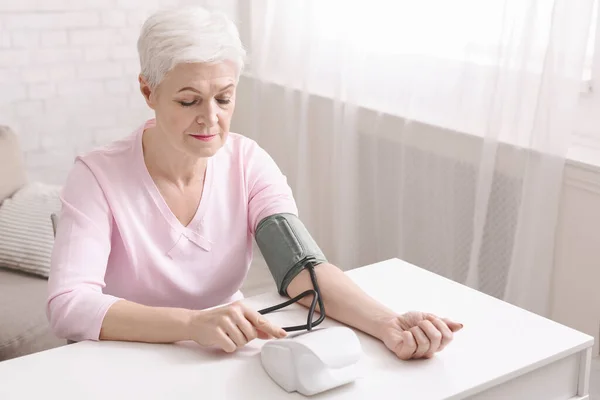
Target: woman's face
x: 193, y: 104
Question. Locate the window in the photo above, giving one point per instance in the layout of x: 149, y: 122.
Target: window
x: 592, y: 43
x: 585, y: 146
x: 430, y: 60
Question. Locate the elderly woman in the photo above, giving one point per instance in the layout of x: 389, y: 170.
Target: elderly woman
x: 154, y: 238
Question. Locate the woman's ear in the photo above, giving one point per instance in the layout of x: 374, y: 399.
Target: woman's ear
x: 147, y: 92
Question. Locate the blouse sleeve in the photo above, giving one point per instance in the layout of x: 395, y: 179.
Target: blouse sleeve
x: 268, y: 190
x: 76, y: 305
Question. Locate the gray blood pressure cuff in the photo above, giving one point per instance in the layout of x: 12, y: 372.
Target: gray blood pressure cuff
x: 287, y: 247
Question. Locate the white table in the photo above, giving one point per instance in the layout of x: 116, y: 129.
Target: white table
x: 503, y: 352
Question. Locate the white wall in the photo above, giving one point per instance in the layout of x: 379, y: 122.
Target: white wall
x: 68, y: 75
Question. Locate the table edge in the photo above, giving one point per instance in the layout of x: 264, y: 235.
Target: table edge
x: 522, y: 371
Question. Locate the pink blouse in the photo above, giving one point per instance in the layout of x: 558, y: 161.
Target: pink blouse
x: 118, y: 239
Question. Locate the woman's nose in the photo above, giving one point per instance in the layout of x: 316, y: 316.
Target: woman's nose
x: 208, y: 116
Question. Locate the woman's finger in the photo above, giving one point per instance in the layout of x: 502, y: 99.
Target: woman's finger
x: 407, y: 347
x: 454, y: 326
x: 447, y: 334
x: 225, y: 342
x: 263, y: 336
x: 262, y: 324
x: 434, y: 336
x: 422, y: 341
x: 246, y: 327
x: 234, y: 333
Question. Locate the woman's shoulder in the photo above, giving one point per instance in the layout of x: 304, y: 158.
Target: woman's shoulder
x: 119, y: 148
x: 108, y: 163
x: 245, y: 149
x: 237, y: 141
x: 254, y: 160
x: 113, y: 154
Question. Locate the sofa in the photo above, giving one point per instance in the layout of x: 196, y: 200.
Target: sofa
x: 24, y: 328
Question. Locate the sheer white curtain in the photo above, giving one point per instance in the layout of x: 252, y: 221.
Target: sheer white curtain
x: 432, y: 131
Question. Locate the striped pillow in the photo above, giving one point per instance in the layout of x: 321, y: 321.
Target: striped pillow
x: 26, y: 236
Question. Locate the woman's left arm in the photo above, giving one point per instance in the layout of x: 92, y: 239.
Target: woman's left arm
x: 343, y: 299
x: 411, y: 335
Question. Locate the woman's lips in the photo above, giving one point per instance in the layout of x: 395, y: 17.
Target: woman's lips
x: 205, y: 138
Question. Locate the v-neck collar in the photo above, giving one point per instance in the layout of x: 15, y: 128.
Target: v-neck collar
x: 193, y: 229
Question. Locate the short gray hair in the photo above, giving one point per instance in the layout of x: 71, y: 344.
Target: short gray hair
x: 184, y: 35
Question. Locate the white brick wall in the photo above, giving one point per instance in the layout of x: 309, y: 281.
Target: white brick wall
x: 68, y: 75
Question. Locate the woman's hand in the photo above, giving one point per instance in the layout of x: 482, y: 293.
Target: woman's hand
x: 231, y: 327
x: 416, y: 334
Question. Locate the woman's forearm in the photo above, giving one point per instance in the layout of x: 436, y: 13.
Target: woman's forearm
x: 343, y: 299
x: 128, y: 321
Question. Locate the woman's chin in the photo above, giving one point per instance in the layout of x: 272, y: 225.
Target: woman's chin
x: 204, y: 151
x: 205, y: 147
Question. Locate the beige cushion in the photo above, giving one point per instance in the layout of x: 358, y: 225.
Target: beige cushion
x: 26, y: 234
x: 12, y: 167
x: 24, y: 328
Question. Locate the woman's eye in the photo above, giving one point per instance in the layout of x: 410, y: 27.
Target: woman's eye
x: 191, y: 103
x: 187, y: 104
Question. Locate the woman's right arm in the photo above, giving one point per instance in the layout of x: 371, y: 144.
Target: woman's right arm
x: 228, y: 327
x: 78, y: 309
x: 76, y: 305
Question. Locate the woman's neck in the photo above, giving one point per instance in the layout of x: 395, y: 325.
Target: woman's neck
x: 163, y: 161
